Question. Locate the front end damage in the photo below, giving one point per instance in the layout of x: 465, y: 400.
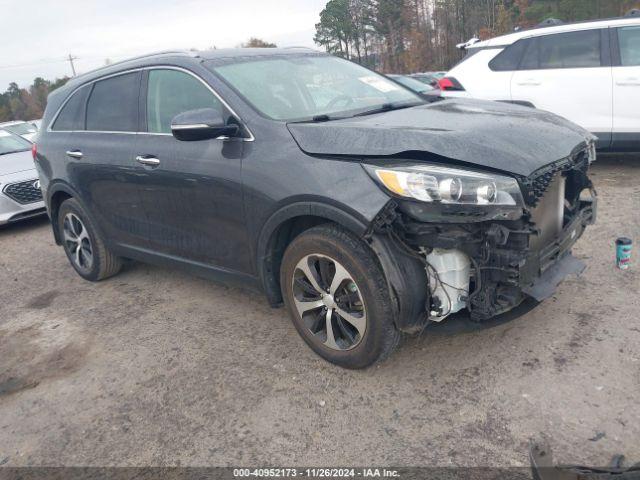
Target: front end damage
x: 485, y: 261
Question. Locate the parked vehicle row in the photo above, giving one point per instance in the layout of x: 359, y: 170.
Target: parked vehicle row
x: 586, y: 72
x: 363, y: 208
x: 429, y: 78
x: 425, y: 91
x: 20, y: 195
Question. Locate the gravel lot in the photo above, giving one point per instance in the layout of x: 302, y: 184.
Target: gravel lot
x: 157, y: 367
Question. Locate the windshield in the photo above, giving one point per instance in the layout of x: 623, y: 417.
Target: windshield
x: 10, y: 143
x: 21, y: 128
x: 297, y: 87
x: 413, y: 84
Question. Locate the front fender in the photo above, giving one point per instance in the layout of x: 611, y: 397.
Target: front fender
x: 407, y: 281
x: 405, y: 275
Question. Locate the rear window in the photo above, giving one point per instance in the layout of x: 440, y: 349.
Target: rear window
x: 21, y: 128
x: 10, y: 143
x: 412, y: 83
x: 563, y: 50
x: 113, y: 104
x: 509, y: 58
x: 71, y: 117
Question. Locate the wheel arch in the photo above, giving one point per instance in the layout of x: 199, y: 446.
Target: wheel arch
x: 287, y: 223
x: 56, y: 194
x: 405, y: 276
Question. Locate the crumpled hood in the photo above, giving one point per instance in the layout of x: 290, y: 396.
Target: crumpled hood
x: 501, y: 136
x: 16, y: 162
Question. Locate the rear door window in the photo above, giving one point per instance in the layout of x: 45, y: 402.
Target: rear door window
x: 530, y: 60
x: 564, y: 50
x: 71, y: 117
x: 629, y: 40
x: 171, y: 92
x: 113, y: 104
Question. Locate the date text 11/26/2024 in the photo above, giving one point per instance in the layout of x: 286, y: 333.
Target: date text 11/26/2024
x: 316, y: 473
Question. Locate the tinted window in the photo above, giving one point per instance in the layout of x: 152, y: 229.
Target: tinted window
x: 530, y: 59
x: 509, y: 58
x: 171, y: 92
x: 629, y: 39
x: 71, y: 116
x: 564, y: 50
x: 113, y: 104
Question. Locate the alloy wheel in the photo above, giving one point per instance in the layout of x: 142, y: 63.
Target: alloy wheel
x: 77, y: 242
x: 329, y: 302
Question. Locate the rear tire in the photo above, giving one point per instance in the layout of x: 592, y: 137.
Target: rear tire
x: 344, y: 312
x: 83, y: 244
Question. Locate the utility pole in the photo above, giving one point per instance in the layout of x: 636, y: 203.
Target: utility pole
x: 73, y: 68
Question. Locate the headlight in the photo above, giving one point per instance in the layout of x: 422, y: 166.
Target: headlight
x: 436, y: 184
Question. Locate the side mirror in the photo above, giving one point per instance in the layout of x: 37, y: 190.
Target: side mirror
x: 201, y: 124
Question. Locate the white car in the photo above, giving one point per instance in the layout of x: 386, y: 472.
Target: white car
x: 20, y: 195
x: 26, y: 130
x: 586, y: 72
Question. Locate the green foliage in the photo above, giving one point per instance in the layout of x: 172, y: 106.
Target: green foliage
x: 27, y: 104
x: 258, y: 43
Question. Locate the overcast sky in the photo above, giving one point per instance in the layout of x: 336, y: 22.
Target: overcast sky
x: 38, y: 34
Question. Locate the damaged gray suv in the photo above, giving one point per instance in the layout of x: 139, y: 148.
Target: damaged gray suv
x: 334, y: 190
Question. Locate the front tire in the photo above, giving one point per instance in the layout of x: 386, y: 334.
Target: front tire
x: 338, y: 298
x: 83, y: 244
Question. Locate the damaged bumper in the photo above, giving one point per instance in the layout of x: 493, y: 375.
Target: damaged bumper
x: 546, y: 270
x: 488, y: 266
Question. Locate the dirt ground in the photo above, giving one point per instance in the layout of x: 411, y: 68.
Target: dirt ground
x: 157, y: 367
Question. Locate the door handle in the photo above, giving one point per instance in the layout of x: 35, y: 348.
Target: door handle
x: 529, y: 82
x: 149, y: 161
x: 628, y: 82
x: 77, y: 154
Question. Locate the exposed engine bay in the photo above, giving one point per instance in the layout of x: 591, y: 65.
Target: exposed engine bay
x: 490, y: 265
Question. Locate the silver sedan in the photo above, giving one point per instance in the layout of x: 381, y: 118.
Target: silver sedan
x: 20, y: 195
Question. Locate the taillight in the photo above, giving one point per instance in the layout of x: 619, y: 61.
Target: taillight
x: 34, y: 151
x: 450, y: 84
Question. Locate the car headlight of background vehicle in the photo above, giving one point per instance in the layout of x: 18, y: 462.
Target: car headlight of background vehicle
x: 591, y: 151
x: 449, y: 186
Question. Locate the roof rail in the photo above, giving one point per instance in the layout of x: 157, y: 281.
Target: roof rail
x: 549, y: 22
x: 468, y: 43
x: 634, y: 12
x: 190, y: 53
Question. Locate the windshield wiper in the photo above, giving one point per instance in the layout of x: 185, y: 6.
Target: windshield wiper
x: 387, y: 107
x: 323, y: 117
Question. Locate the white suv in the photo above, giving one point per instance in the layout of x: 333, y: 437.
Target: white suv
x: 586, y: 72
